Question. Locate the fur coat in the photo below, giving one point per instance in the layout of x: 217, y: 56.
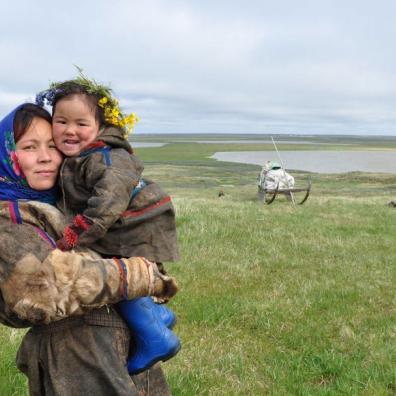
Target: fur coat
x: 42, y: 284
x: 124, y: 216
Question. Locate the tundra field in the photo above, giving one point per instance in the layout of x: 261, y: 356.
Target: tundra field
x: 274, y: 299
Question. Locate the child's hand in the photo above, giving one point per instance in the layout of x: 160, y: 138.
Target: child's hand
x: 72, y: 232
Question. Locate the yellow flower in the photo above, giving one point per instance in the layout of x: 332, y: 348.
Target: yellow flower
x: 103, y: 101
x: 114, y: 116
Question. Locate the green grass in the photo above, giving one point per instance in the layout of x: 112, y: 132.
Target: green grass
x: 283, y: 301
x: 274, y: 299
x: 12, y: 382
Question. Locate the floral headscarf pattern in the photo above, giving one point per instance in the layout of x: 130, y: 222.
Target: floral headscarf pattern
x: 13, y: 184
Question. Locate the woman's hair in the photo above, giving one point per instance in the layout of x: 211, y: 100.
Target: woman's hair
x: 70, y: 88
x: 24, y: 117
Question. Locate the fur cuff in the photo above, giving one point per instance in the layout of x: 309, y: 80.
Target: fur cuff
x: 81, y: 222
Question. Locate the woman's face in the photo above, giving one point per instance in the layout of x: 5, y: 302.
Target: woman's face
x: 37, y: 155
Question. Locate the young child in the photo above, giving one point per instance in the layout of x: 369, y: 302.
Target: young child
x: 111, y: 208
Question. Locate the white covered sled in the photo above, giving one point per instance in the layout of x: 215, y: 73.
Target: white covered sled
x: 274, y: 180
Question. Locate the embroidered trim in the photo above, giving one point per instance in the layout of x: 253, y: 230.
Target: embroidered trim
x: 16, y: 218
x: 138, y: 188
x: 150, y: 272
x: 45, y: 237
x: 15, y: 215
x: 106, y: 154
x: 136, y: 213
x: 101, y: 147
x: 123, y: 271
x: 93, y: 145
x: 126, y: 286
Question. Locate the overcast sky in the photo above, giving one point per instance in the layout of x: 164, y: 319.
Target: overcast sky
x: 207, y: 66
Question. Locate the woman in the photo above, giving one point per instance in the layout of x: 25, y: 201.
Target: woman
x: 79, y: 355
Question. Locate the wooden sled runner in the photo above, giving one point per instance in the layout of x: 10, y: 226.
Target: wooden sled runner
x: 268, y: 196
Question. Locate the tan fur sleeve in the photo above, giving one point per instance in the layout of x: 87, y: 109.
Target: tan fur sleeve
x: 67, y: 284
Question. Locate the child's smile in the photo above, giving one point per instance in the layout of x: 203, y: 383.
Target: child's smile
x: 74, y: 125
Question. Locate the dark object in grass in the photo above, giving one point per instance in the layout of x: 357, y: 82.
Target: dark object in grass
x: 221, y: 193
x: 392, y: 204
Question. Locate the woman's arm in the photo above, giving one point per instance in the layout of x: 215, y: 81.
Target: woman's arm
x: 41, y: 285
x: 67, y: 284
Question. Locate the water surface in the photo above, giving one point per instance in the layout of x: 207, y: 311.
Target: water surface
x: 256, y: 142
x: 146, y: 144
x: 318, y: 161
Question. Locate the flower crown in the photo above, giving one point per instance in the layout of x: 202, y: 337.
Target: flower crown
x: 109, y: 104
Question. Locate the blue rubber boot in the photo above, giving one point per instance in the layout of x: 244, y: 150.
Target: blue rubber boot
x: 154, y: 341
x: 167, y: 316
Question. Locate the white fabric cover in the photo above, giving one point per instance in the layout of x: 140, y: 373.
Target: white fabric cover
x: 269, y: 179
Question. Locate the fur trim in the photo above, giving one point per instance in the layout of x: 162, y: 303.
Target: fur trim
x: 83, y: 222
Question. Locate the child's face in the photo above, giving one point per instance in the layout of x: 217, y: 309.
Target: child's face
x: 74, y: 125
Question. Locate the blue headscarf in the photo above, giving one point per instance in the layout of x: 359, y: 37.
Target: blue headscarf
x: 13, y: 184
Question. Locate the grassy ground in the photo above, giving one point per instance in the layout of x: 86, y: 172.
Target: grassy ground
x: 274, y: 299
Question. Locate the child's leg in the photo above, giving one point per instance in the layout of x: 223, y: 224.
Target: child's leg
x: 154, y: 341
